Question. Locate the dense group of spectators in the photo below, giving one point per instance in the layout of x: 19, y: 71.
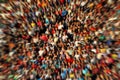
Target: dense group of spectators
x: 60, y: 40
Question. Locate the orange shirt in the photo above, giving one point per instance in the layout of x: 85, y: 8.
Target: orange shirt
x: 11, y: 45
x: 44, y: 4
x: 99, y: 6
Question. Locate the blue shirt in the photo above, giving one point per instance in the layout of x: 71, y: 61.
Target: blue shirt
x: 118, y: 11
x: 80, y: 78
x: 63, y: 75
x: 64, y: 13
x: 68, y: 1
x: 39, y: 79
x: 108, y: 42
x: 85, y: 71
x: 44, y: 66
x: 47, y: 21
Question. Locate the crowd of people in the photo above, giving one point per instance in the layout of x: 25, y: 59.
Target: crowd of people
x: 60, y: 40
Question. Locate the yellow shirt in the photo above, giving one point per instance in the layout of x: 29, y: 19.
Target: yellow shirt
x: 114, y: 56
x: 33, y: 24
x: 103, y: 50
x: 72, y: 76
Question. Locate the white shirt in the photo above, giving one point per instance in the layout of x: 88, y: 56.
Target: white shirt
x: 85, y: 55
x: 93, y: 50
x: 11, y: 53
x: 64, y: 37
x: 117, y: 32
x: 4, y: 15
x: 31, y: 76
x: 28, y: 1
x: 99, y: 55
x: 108, y: 50
x: 96, y: 33
x: 37, y: 13
x: 35, y: 40
x: 30, y: 32
x: 69, y: 11
x: 41, y: 52
x: 60, y: 26
x: 76, y: 43
x: 92, y: 60
x: 110, y: 1
x: 69, y: 31
x: 77, y: 56
x: 83, y: 3
x: 95, y: 42
x: 55, y: 39
x: 9, y: 8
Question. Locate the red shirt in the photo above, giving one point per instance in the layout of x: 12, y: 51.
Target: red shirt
x: 34, y: 66
x: 87, y: 46
x: 39, y: 5
x: 40, y: 59
x: 20, y: 62
x: 118, y: 7
x: 117, y: 43
x: 39, y: 23
x: 60, y: 12
x: 25, y: 37
x: 44, y: 38
x: 102, y: 63
x: 70, y: 60
x: 93, y: 29
x: 95, y: 70
x: 62, y: 1
x: 107, y: 71
x: 110, y: 60
x: 53, y: 31
x: 56, y: 25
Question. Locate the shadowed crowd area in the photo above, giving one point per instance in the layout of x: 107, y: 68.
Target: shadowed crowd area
x: 60, y: 40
